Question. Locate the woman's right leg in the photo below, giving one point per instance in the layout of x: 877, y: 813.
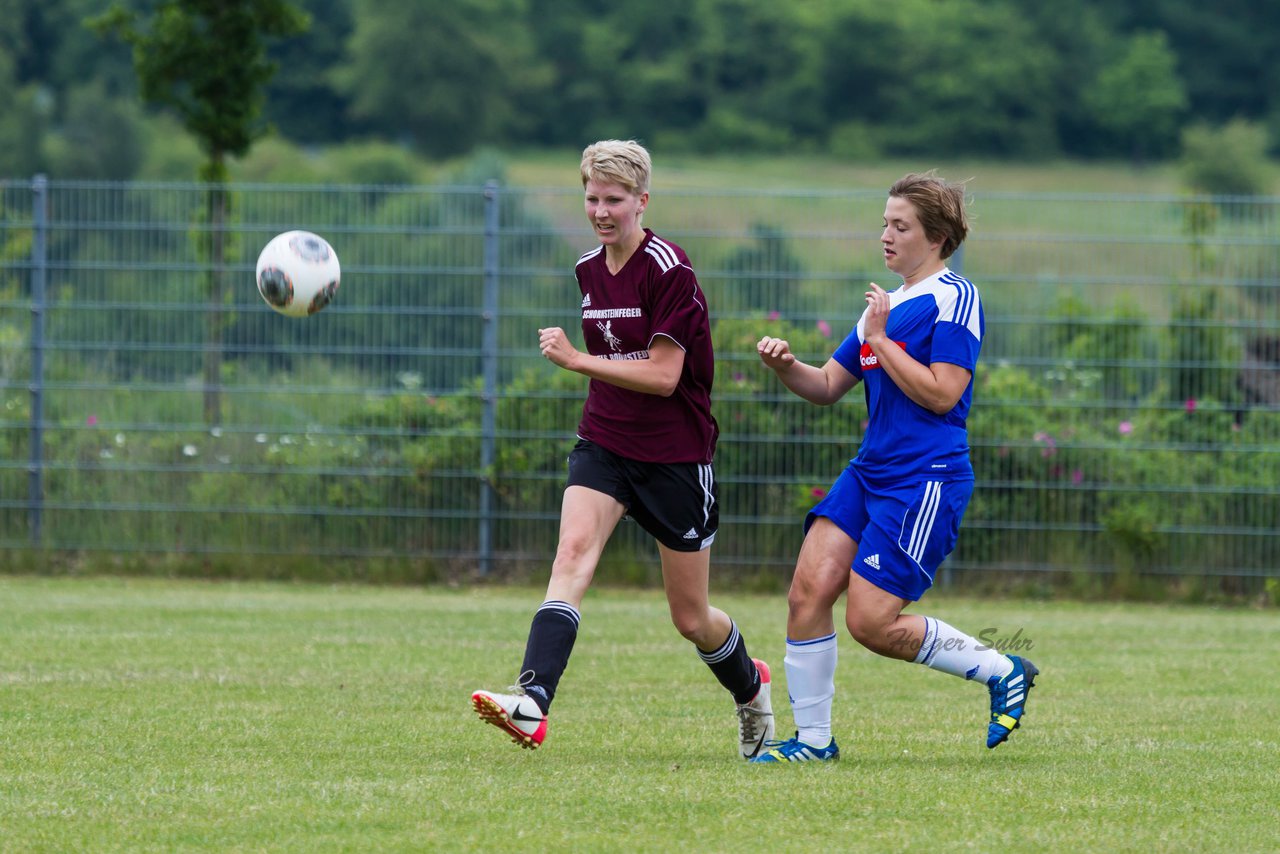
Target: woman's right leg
x: 587, y: 519
x: 822, y: 574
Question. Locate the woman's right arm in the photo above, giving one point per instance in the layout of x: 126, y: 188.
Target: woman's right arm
x: 823, y: 386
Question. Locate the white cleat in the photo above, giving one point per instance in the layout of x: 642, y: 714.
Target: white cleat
x: 515, y: 714
x: 755, y: 719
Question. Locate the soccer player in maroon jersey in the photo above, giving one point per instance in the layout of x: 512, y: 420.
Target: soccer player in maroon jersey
x: 645, y: 447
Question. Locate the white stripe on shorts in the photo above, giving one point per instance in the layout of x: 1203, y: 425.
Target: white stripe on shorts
x: 924, y: 521
x: 707, y: 478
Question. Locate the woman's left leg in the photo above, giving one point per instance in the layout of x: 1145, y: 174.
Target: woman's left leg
x: 876, y: 621
x: 685, y: 577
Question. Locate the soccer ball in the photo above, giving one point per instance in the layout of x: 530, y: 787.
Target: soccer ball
x: 298, y: 273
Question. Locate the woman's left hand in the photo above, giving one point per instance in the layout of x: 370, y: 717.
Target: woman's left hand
x: 873, y: 322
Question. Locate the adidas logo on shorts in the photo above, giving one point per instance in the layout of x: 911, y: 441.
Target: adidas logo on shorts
x: 691, y: 534
x: 873, y: 561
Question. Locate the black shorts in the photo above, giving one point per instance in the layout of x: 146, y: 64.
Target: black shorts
x: 674, y: 502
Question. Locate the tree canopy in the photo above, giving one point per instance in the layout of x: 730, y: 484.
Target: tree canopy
x: 206, y: 60
x: 1008, y: 78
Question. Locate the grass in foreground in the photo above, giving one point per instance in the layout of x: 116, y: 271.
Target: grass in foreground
x: 150, y: 715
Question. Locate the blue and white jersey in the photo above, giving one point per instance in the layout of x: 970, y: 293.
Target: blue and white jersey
x: 938, y: 319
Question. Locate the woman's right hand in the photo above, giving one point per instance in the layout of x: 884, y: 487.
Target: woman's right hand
x: 775, y: 353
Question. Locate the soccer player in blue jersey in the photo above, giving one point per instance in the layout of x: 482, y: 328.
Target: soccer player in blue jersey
x: 894, y: 513
x: 645, y: 446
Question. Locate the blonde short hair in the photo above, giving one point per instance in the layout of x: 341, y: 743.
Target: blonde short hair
x: 616, y: 161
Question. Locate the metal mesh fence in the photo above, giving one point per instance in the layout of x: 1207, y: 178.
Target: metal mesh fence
x: 1126, y: 410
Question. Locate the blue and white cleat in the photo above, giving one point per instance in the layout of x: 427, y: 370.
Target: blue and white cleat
x: 795, y: 750
x: 1009, y: 699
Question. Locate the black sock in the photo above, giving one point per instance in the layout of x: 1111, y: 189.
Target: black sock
x: 546, y: 654
x: 734, y: 668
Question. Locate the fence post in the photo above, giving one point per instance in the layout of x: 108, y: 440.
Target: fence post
x: 489, y: 345
x: 39, y: 274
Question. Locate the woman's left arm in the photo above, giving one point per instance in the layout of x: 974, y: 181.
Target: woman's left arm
x: 937, y: 386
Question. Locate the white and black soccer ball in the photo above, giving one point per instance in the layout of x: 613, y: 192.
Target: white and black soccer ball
x: 298, y: 273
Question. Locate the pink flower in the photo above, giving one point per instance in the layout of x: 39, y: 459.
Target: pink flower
x: 773, y: 315
x: 1126, y: 427
x: 1190, y: 404
x: 1050, y: 444
x: 818, y: 492
x: 738, y: 377
x: 824, y: 328
x: 1077, y: 476
x: 92, y: 421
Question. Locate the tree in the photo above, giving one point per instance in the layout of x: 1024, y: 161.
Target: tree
x: 207, y: 61
x: 100, y: 136
x: 981, y: 81
x: 445, y: 76
x: 995, y: 100
x: 56, y: 52
x: 20, y: 124
x: 759, y: 70
x: 1228, y: 49
x: 1079, y: 37
x: 1140, y: 98
x: 302, y: 102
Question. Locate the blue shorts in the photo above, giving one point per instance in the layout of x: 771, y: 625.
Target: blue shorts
x: 903, y: 531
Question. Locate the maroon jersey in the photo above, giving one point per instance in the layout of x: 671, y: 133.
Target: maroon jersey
x: 655, y: 294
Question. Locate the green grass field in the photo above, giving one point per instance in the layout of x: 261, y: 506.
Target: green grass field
x: 541, y: 168
x: 174, y: 716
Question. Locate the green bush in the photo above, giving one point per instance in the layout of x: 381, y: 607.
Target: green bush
x: 1230, y: 160
x: 1096, y: 466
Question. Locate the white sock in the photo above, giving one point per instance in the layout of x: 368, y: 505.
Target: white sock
x: 952, y: 651
x: 811, y: 685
